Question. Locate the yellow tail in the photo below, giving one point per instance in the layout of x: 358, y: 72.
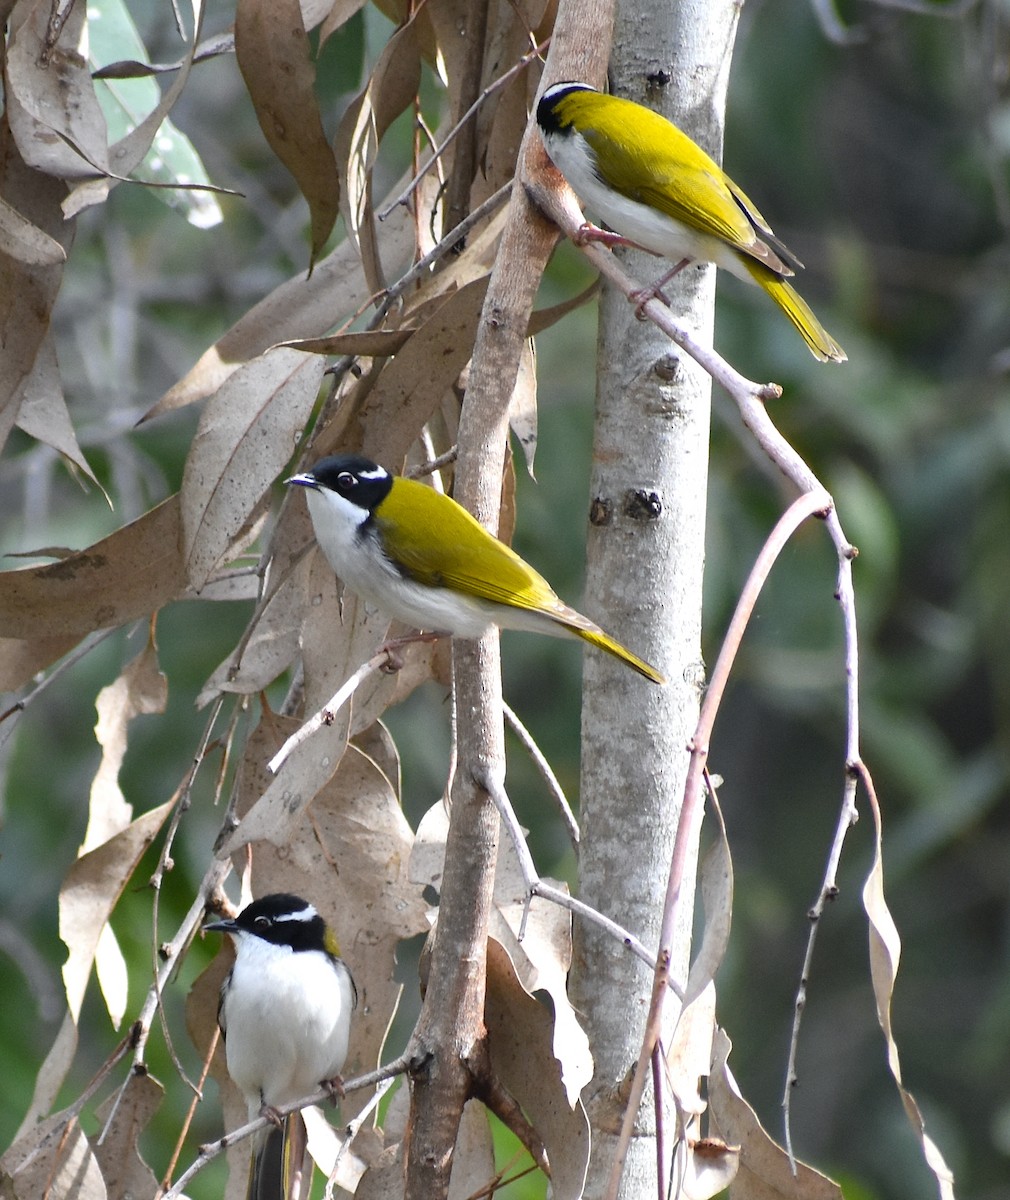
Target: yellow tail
x: 596, y: 637
x: 822, y: 344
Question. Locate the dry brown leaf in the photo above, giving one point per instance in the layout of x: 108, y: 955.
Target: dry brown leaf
x: 390, y: 90
x: 52, y: 108
x: 384, y: 1178
x: 475, y: 261
x: 42, y: 412
x: 275, y: 59
x: 89, y: 893
x: 48, y: 1082
x: 544, y: 318
x: 420, y: 662
x: 299, y: 308
x: 53, y: 1161
x: 20, y: 659
x: 325, y: 1144
x: 449, y: 44
x: 24, y: 241
x: 125, y: 1173
x: 308, y: 768
x: 371, y: 343
x: 245, y: 437
x: 473, y: 1166
x: 270, y: 646
x: 520, y: 1038
x: 340, y: 13
x: 410, y: 387
x: 716, y: 889
x: 130, y: 150
x: 523, y: 407
x: 885, y: 952
x: 339, y: 633
x: 27, y: 291
x: 140, y: 689
x: 540, y: 961
x: 689, y: 1055
x: 765, y: 1172
x: 201, y: 1023
x: 129, y: 574
x: 314, y: 12
x: 707, y: 1167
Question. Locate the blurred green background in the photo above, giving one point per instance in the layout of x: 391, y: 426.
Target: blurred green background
x: 884, y: 164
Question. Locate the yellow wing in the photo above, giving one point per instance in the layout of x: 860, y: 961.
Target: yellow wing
x: 648, y: 159
x: 447, y: 547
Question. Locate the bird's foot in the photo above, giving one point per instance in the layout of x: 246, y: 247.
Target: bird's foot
x: 272, y: 1115
x: 393, y: 646
x: 588, y: 232
x: 640, y: 297
x: 335, y: 1087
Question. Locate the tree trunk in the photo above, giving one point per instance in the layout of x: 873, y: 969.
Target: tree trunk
x: 646, y: 549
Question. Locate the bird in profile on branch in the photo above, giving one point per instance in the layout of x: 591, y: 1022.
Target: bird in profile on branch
x: 422, y: 558
x: 659, y: 191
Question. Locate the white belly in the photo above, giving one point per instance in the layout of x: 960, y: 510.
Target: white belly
x: 358, y: 563
x: 287, y: 1022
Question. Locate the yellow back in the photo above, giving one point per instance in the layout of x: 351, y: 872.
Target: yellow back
x: 647, y: 158
x: 448, y: 547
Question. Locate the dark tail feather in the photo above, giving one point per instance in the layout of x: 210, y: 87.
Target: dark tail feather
x: 278, y: 1168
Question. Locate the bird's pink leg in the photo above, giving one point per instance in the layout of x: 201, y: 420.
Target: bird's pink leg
x: 640, y: 297
x: 588, y: 232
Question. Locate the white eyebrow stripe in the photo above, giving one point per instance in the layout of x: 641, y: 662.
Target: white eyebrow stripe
x: 308, y: 913
x: 378, y: 473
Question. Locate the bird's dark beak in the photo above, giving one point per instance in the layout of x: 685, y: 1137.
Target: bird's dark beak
x: 305, y: 479
x: 227, y: 926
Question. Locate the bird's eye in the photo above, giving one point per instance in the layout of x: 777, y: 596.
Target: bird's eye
x: 346, y: 481
x: 262, y: 922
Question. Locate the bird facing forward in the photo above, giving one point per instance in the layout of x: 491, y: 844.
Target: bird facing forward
x: 285, y: 1012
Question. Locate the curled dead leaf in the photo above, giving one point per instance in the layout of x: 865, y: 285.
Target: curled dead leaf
x: 521, y: 1041
x: 275, y: 59
x: 245, y: 437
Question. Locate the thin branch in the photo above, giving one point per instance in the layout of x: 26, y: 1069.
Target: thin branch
x: 433, y: 465
x: 847, y: 817
x: 805, y: 506
x: 211, y: 1150
x: 554, y: 787
x: 490, y: 1090
x: 438, y: 251
x: 354, y: 1126
x: 169, y: 954
x: 195, y: 1099
x: 535, y: 886
x: 393, y: 293
x: 558, y: 202
x: 70, y: 660
x: 453, y: 133
x: 326, y: 715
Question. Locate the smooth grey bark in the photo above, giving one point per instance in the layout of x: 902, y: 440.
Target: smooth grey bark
x: 646, y: 549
